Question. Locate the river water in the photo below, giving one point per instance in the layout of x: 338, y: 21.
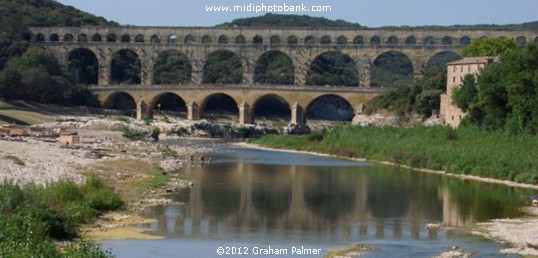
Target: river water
x: 251, y: 202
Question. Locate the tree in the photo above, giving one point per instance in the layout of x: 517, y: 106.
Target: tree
x: 466, y: 95
x: 489, y: 47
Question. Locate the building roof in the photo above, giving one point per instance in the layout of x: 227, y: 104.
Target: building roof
x: 474, y: 60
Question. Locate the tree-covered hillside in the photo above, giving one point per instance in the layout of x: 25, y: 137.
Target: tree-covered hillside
x: 288, y: 20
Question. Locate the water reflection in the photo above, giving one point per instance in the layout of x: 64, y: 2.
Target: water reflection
x: 238, y: 198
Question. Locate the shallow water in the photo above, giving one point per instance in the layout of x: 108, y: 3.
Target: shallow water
x: 250, y: 202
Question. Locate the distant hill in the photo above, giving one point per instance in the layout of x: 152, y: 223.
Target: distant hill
x: 286, y: 20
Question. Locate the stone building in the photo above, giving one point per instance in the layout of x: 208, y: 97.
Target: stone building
x: 456, y: 72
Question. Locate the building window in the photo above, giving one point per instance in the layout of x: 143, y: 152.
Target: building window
x: 461, y: 79
x: 454, y: 69
x: 452, y: 117
x: 462, y: 68
x: 454, y: 79
x: 468, y: 68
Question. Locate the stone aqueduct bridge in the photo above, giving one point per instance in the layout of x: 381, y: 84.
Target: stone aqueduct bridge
x: 301, y: 45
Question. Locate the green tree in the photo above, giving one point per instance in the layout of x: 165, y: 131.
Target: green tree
x: 466, y: 95
x: 489, y: 47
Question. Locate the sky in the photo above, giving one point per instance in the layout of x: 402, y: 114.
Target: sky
x: 371, y: 13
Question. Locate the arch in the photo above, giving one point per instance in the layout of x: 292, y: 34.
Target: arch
x: 189, y: 39
x: 411, y: 40
x: 464, y: 41
x: 536, y: 40
x: 447, y: 41
x: 54, y: 37
x: 275, y: 40
x: 257, y: 40
x: 82, y: 38
x: 155, y: 39
x: 68, y: 37
x: 326, y: 40
x: 111, y: 37
x: 125, y: 38
x: 172, y: 67
x: 393, y: 40
x: 329, y: 107
x: 97, y: 37
x: 342, y: 40
x: 310, y: 40
x: 292, y: 40
x: 223, y: 39
x: 83, y: 66
x: 206, y: 39
x: 169, y: 104
x: 358, y: 40
x: 172, y: 38
x: 219, y: 104
x: 375, y: 41
x: 125, y: 67
x: 429, y: 40
x: 139, y: 38
x: 272, y: 107
x: 274, y: 67
x: 223, y: 66
x: 522, y: 41
x: 121, y: 101
x: 240, y: 39
x: 39, y: 37
x: 440, y: 59
x: 391, y: 68
x: 333, y: 68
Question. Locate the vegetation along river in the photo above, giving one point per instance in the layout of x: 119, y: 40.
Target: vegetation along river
x: 252, y: 200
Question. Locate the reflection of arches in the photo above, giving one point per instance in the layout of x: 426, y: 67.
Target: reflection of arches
x: 240, y: 39
x: 326, y: 200
x: 326, y: 40
x: 411, y: 40
x: 383, y: 193
x: 168, y: 101
x: 522, y: 41
x: 274, y: 67
x: 172, y: 67
x: 257, y: 40
x: 223, y: 66
x: 125, y: 67
x: 220, y: 199
x: 375, y: 41
x: 393, y: 40
x: 82, y: 38
x: 464, y: 41
x: 391, y: 68
x: 310, y: 40
x: 272, y: 106
x: 429, y: 40
x: 440, y: 59
x: 292, y: 40
x: 139, y: 38
x: 111, y: 37
x: 54, y: 37
x: 333, y: 68
x: 120, y: 100
x: 358, y: 40
x: 189, y: 39
x: 125, y: 38
x: 329, y: 107
x: 68, y: 37
x: 219, y: 103
x: 275, y: 40
x: 97, y: 38
x: 83, y: 66
x: 342, y: 40
x: 223, y: 39
x: 447, y: 41
x: 271, y: 192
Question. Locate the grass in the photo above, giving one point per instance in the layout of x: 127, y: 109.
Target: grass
x: 461, y: 151
x: 352, y: 251
x: 33, y: 218
x: 15, y: 160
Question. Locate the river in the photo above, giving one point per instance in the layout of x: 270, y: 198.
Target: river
x: 251, y: 202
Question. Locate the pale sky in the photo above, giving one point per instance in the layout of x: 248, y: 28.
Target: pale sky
x: 371, y: 13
